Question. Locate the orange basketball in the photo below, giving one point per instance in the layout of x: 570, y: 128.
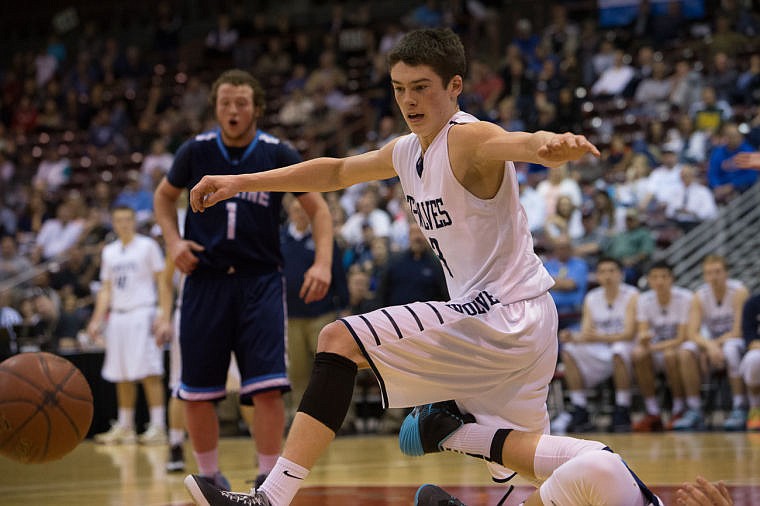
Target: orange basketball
x: 45, y: 407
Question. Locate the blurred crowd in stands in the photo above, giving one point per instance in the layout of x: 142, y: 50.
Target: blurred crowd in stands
x: 90, y: 119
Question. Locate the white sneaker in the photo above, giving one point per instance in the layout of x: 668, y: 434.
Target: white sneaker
x: 560, y: 423
x: 153, y: 435
x: 116, y: 435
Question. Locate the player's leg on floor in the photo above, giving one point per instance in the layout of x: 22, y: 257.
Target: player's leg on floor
x: 154, y: 394
x: 176, y: 414
x: 267, y: 429
x: 203, y: 428
x: 123, y: 431
x: 591, y: 479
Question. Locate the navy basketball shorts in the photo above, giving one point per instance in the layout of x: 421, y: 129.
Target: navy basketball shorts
x: 224, y: 314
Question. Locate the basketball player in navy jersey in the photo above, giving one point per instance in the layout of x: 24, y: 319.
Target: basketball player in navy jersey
x: 496, y: 338
x: 233, y: 298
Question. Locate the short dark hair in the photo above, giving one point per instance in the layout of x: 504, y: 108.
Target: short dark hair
x: 661, y: 264
x: 609, y: 260
x: 439, y: 48
x: 237, y: 77
x: 122, y: 207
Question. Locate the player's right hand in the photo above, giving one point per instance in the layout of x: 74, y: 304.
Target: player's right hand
x: 182, y: 253
x: 210, y: 190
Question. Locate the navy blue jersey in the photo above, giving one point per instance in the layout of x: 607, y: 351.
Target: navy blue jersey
x: 242, y: 232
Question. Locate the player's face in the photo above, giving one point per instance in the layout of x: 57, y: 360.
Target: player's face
x: 123, y: 223
x: 660, y: 280
x: 236, y: 114
x: 715, y: 274
x: 423, y: 100
x: 608, y: 274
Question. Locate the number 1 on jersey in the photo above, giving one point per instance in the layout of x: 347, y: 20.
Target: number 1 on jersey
x: 231, y: 219
x: 439, y: 254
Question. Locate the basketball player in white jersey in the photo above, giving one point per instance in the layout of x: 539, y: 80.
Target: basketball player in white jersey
x: 496, y: 338
x: 129, y: 272
x: 601, y: 349
x: 662, y: 317
x: 714, y: 330
x: 750, y: 366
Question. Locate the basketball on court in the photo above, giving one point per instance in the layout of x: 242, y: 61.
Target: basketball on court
x: 45, y: 407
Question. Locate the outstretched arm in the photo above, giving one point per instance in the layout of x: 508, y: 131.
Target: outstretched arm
x: 748, y: 160
x: 317, y: 175
x: 491, y: 142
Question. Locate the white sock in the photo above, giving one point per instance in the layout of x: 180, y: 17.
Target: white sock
x: 267, y: 462
x: 623, y: 398
x: 694, y: 402
x: 578, y: 398
x: 208, y: 462
x: 652, y: 407
x: 127, y: 418
x: 678, y: 405
x: 738, y: 402
x: 158, y: 416
x: 471, y: 438
x: 553, y: 451
x: 176, y: 437
x: 283, y: 482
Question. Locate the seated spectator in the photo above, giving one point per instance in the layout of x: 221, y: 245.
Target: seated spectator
x: 134, y: 197
x: 686, y: 85
x: 367, y: 214
x: 662, y: 317
x: 715, y: 331
x: 723, y: 176
x: 534, y: 205
x: 58, y: 234
x: 710, y: 112
x: 566, y: 220
x: 556, y: 184
x: 221, y: 39
x: 570, y: 275
x: 600, y: 350
x: 11, y: 262
x: 748, y: 82
x: 722, y: 77
x: 412, y: 275
x: 10, y: 318
x: 690, y: 202
x: 155, y: 164
x: 613, y: 81
x: 662, y: 179
x: 53, y: 172
x: 653, y: 92
x: 632, y: 248
x: 750, y: 365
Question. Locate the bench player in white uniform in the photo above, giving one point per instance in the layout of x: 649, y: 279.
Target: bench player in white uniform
x: 493, y: 346
x: 750, y: 366
x: 601, y: 349
x: 129, y: 272
x: 662, y: 316
x: 715, y: 331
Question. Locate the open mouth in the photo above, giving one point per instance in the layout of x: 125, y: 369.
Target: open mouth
x: 415, y: 116
x: 233, y: 122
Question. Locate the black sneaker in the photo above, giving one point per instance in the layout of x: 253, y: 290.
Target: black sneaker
x: 432, y: 495
x: 621, y: 420
x: 206, y: 494
x: 426, y: 428
x: 176, y: 460
x: 580, y: 421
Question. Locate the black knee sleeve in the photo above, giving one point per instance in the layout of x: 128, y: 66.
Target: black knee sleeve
x: 497, y: 445
x: 328, y: 396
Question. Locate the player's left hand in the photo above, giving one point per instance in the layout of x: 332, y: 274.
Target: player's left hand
x: 212, y: 189
x: 162, y: 330
x: 703, y: 493
x: 566, y: 147
x: 316, y: 282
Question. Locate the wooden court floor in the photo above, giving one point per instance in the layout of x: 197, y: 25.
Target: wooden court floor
x: 366, y: 470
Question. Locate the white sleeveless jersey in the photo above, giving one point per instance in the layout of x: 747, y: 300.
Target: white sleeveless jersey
x: 482, y: 244
x: 718, y: 316
x: 609, y: 318
x: 131, y: 270
x: 664, y: 320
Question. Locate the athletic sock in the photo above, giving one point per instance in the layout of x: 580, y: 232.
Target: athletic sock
x: 678, y: 405
x: 472, y: 439
x: 694, y: 402
x: 127, y: 418
x: 578, y: 398
x: 623, y: 398
x: 266, y: 462
x: 283, y: 482
x: 176, y: 437
x: 652, y: 407
x: 158, y: 416
x: 738, y: 402
x: 208, y: 462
